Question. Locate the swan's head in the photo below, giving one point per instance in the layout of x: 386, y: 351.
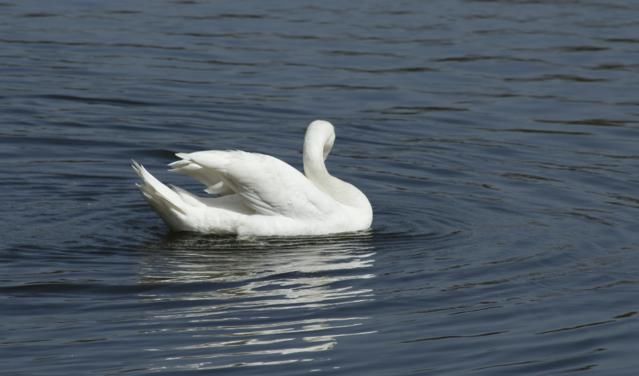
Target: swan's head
x: 320, y: 133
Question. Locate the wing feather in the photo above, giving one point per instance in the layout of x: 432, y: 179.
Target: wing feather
x: 211, y: 179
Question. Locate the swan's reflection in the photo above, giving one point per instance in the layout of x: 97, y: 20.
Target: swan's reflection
x: 228, y: 302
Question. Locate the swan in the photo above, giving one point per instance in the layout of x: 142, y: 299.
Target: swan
x: 259, y: 195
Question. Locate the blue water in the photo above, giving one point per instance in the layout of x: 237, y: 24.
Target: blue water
x: 498, y: 142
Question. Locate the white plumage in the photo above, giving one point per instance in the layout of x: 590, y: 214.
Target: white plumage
x: 256, y: 194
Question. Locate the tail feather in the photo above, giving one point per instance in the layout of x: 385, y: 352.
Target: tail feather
x: 187, y: 197
x: 169, y: 204
x: 157, y: 189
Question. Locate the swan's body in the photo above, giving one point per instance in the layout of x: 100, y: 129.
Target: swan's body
x: 260, y: 195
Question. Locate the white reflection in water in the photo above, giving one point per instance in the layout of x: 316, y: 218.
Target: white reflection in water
x: 226, y: 303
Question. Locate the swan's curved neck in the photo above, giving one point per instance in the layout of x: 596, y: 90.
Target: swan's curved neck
x: 318, y: 143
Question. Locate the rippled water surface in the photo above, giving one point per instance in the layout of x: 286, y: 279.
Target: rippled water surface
x: 497, y: 140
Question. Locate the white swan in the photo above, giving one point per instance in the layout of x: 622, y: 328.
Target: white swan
x: 260, y: 195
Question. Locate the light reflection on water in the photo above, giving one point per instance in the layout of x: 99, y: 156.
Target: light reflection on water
x: 232, y: 296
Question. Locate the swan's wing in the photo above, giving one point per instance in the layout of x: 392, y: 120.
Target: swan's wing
x: 210, y: 178
x: 267, y: 185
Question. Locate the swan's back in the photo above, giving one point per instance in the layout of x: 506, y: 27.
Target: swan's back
x: 269, y: 185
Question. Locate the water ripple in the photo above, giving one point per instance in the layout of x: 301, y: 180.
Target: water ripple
x: 495, y: 139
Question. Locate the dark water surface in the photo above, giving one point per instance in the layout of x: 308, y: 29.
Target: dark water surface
x: 497, y: 140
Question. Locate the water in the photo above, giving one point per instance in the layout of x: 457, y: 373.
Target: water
x: 497, y: 141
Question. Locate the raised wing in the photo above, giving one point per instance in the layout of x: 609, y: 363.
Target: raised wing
x: 210, y: 178
x: 268, y: 185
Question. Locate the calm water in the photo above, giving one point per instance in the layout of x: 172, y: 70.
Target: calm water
x: 497, y: 140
